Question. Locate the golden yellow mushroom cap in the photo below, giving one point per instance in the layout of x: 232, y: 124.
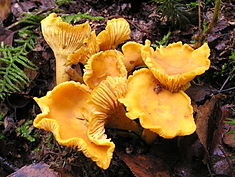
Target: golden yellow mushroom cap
x: 177, y: 64
x: 159, y: 110
x: 63, y: 39
x: 116, y: 32
x: 132, y: 55
x: 66, y: 113
x: 89, y: 47
x: 103, y: 64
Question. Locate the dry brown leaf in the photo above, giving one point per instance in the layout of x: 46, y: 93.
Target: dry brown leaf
x: 198, y: 93
x: 39, y: 170
x: 6, y: 36
x: 145, y: 165
x: 203, y: 114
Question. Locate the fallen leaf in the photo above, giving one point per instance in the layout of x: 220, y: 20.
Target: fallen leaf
x: 5, y: 8
x: 37, y: 170
x: 203, y: 114
x: 220, y: 130
x: 198, y: 93
x: 46, y: 4
x: 220, y: 166
x: 6, y: 36
x: 145, y: 165
x: 221, y: 25
x: 19, y: 8
x: 219, y: 154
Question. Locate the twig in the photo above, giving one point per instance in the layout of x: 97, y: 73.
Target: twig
x: 225, y: 82
x: 226, y: 90
x: 200, y: 38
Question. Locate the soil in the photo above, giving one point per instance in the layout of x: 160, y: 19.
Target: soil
x: 207, y: 152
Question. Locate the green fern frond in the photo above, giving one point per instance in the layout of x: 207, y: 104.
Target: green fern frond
x: 12, y: 77
x: 13, y: 59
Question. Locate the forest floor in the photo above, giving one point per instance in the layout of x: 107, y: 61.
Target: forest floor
x: 207, y: 152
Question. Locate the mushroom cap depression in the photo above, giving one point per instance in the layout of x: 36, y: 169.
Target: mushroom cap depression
x: 103, y: 64
x: 159, y: 110
x: 175, y: 65
x: 132, y: 55
x: 66, y: 112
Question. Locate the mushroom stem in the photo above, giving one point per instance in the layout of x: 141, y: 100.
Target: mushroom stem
x: 149, y: 136
x: 119, y: 120
x: 61, y: 74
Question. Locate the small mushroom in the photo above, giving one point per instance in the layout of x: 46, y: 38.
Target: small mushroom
x: 116, y: 32
x: 159, y: 110
x: 63, y: 39
x: 66, y: 113
x: 89, y: 47
x: 103, y: 64
x: 132, y: 55
x: 175, y: 65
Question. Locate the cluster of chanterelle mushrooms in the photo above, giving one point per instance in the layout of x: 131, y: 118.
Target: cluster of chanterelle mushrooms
x: 107, y: 96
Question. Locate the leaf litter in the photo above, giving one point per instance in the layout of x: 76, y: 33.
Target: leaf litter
x: 209, y: 148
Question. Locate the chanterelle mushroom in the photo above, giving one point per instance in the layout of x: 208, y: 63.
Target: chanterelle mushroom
x: 159, y: 110
x: 66, y: 113
x: 103, y: 64
x: 175, y: 65
x: 109, y: 112
x: 63, y: 39
x: 116, y: 32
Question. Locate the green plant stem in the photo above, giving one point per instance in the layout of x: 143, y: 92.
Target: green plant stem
x: 199, y: 17
x: 202, y: 35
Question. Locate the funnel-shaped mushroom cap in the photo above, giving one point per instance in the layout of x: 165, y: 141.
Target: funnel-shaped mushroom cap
x: 63, y: 39
x: 161, y: 111
x: 132, y: 55
x: 177, y: 64
x: 65, y: 112
x: 115, y: 33
x: 103, y: 64
x: 109, y: 111
x: 89, y: 47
